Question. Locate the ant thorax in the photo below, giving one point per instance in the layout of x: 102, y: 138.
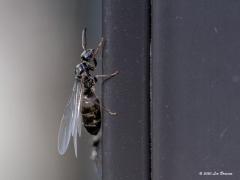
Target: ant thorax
x: 82, y: 74
x: 83, y: 68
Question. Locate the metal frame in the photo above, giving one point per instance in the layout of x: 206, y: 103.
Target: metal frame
x: 126, y: 137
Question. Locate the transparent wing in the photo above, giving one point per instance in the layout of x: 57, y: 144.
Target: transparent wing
x: 77, y: 122
x: 70, y: 119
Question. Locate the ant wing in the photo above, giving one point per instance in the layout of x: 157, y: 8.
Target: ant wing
x: 77, y: 123
x: 71, y: 120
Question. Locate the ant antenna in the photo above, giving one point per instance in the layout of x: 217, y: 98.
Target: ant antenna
x: 100, y: 46
x: 84, y: 42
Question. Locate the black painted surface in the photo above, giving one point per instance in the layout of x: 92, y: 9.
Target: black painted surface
x: 196, y: 89
x: 126, y: 148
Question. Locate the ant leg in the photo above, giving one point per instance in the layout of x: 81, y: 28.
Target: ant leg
x: 109, y: 112
x: 107, y: 76
x: 105, y: 109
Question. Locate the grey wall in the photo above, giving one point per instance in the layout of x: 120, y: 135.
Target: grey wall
x: 196, y: 90
x: 39, y: 46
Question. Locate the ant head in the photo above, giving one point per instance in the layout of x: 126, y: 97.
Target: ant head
x: 87, y: 55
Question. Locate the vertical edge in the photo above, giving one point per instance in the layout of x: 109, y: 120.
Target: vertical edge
x: 126, y: 137
x: 156, y: 75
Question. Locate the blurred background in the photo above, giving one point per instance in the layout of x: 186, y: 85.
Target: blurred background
x: 40, y: 44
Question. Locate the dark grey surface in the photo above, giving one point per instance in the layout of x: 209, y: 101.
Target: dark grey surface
x: 126, y: 137
x: 196, y: 89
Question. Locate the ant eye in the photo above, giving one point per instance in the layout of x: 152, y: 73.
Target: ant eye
x: 89, y: 55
